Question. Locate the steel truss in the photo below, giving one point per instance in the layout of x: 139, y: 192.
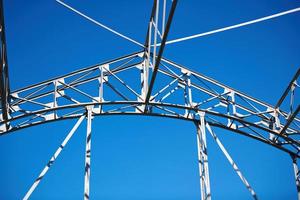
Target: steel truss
x: 108, y: 90
x: 146, y: 83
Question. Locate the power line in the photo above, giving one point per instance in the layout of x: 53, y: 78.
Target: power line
x: 233, y: 26
x: 99, y: 24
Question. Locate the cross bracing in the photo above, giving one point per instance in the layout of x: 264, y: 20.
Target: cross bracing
x: 110, y: 89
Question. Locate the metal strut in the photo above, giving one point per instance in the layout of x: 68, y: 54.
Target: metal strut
x: 297, y: 175
x: 159, y: 55
x: 292, y: 113
x: 231, y: 161
x: 288, y: 89
x: 4, y: 80
x: 203, y: 159
x: 88, y: 154
x: 53, y: 158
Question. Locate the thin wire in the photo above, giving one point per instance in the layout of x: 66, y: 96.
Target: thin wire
x: 233, y: 26
x: 99, y: 24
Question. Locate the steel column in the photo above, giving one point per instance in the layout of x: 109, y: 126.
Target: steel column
x: 187, y: 91
x: 88, y: 154
x: 144, y: 80
x: 203, y: 159
x: 155, y: 31
x: 297, y: 175
x: 102, y: 79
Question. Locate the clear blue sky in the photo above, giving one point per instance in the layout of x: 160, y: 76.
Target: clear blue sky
x: 142, y: 157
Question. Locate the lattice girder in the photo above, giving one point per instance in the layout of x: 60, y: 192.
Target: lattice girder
x: 117, y: 87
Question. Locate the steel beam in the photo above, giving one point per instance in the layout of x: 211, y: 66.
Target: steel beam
x: 4, y: 79
x: 203, y: 159
x: 161, y: 50
x: 288, y: 89
x: 88, y: 154
x: 187, y: 92
x: 231, y: 161
x: 16, y: 114
x: 297, y: 175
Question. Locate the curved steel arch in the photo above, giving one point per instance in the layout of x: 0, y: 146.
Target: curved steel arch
x: 183, y: 95
x: 145, y: 83
x: 110, y: 88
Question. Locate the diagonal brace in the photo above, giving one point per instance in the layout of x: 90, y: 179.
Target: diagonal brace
x: 290, y: 119
x: 53, y: 158
x: 231, y: 161
x: 161, y: 50
x: 4, y: 79
x: 288, y: 89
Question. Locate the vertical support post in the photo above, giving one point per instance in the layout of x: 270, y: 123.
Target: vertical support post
x: 144, y: 69
x: 155, y: 32
x: 203, y: 159
x: 148, y: 45
x: 231, y: 108
x: 164, y: 18
x: 101, y: 82
x: 55, y: 96
x: 102, y: 79
x: 144, y: 79
x: 272, y: 126
x: 146, y: 64
x: 187, y: 92
x: 232, y: 94
x: 293, y: 87
x: 88, y: 154
x: 297, y: 175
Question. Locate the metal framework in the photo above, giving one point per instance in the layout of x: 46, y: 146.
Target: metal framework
x: 146, y: 83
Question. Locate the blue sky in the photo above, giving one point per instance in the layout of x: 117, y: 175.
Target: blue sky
x: 144, y: 157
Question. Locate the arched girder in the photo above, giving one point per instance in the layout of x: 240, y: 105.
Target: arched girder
x: 174, y: 92
x: 82, y: 107
x: 113, y: 87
